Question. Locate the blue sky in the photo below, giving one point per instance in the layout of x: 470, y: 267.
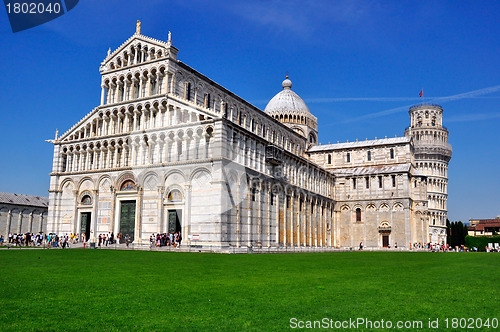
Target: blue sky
x: 358, y: 65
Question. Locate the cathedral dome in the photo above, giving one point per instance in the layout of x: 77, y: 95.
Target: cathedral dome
x: 286, y: 101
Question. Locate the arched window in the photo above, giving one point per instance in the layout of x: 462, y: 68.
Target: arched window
x: 392, y: 153
x: 121, y: 88
x: 348, y: 157
x: 136, y: 89
x: 369, y: 155
x: 206, y: 103
x: 188, y: 91
x: 358, y: 215
x: 329, y: 159
x: 153, y: 86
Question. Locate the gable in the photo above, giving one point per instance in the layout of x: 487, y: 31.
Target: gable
x: 150, y: 47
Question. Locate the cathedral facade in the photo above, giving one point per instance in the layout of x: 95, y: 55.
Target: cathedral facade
x: 169, y: 150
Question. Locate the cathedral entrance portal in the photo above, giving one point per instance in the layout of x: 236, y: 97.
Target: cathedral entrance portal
x: 385, y: 232
x: 127, y: 220
x: 385, y: 240
x: 174, y: 221
x: 85, y: 218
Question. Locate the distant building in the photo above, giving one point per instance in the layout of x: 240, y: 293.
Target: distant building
x: 484, y: 227
x: 22, y: 213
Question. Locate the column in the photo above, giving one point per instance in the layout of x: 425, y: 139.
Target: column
x: 119, y: 90
x: 268, y: 214
x: 140, y: 192
x: 176, y: 116
x: 107, y: 163
x: 148, y: 85
x: 144, y: 87
x: 113, y: 207
x: 151, y: 119
x: 9, y: 221
x: 74, y: 161
x: 160, y: 83
x: 134, y: 123
x: 103, y: 93
x: 136, y: 54
x: 259, y: 214
x: 133, y: 88
x: 285, y: 220
x: 67, y: 162
x: 75, y: 210
x: 115, y: 157
x: 187, y: 220
x: 172, y: 85
x: 41, y: 222
x: 19, y: 222
x: 143, y: 120
x: 238, y: 215
x: 160, y: 212
x: 249, y: 217
x: 87, y: 159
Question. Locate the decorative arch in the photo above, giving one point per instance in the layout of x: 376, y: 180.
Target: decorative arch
x: 86, y: 198
x: 345, y: 208
x: 384, y: 207
x: 65, y: 182
x: 371, y: 208
x: 150, y: 181
x: 86, y: 183
x: 201, y: 176
x: 105, y: 183
x: 174, y: 177
x: 398, y: 207
x: 127, y: 182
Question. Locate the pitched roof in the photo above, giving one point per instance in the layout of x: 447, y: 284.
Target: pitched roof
x: 485, y: 223
x: 19, y: 199
x: 368, y: 170
x: 359, y: 144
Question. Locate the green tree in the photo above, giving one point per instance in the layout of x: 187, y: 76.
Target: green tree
x: 456, y: 233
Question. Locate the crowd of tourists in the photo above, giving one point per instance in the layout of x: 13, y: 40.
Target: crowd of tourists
x: 36, y: 240
x: 435, y: 247
x: 166, y: 239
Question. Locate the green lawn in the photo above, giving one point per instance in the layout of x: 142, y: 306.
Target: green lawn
x: 127, y: 290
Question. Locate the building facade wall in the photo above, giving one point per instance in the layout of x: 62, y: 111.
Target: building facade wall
x: 181, y: 146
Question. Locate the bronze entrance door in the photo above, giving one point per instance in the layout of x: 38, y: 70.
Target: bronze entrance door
x: 85, y: 224
x: 127, y: 220
x: 174, y: 221
x: 385, y: 240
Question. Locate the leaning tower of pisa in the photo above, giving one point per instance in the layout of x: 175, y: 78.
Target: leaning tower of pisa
x: 432, y: 155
